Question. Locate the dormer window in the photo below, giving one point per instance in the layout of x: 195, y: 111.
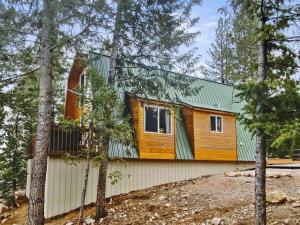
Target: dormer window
x: 216, y: 124
x: 158, y: 119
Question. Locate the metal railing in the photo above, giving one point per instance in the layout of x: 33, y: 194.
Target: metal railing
x: 64, y: 140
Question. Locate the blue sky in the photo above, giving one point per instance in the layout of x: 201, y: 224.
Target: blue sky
x: 207, y: 25
x: 209, y: 16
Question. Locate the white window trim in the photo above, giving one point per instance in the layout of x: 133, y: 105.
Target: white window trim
x: 158, y: 107
x: 216, y: 121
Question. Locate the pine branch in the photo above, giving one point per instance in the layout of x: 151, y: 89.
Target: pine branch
x: 12, y: 79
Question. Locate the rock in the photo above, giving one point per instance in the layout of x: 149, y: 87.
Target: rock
x: 3, y: 208
x: 161, y: 198
x: 89, y: 221
x: 167, y: 204
x: 70, y: 223
x: 111, y: 210
x: 296, y: 204
x: 184, y: 196
x: 276, y: 197
x: 286, y: 221
x: 291, y: 199
x: 6, y: 215
x: 4, y: 221
x: 231, y: 174
x: 216, y: 221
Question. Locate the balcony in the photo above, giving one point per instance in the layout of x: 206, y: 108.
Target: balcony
x: 64, y: 140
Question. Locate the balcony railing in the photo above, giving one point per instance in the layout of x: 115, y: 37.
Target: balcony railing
x: 64, y: 140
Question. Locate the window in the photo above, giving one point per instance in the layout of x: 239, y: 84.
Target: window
x: 157, y: 120
x: 82, y: 80
x: 81, y: 85
x: 216, y: 124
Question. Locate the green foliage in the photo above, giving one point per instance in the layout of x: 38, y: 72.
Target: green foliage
x: 106, y: 110
x: 273, y: 104
x: 115, y: 176
x: 17, y: 127
x: 221, y: 53
x: 233, y: 57
x: 153, y: 32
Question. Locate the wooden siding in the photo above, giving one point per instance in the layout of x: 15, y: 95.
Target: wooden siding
x: 209, y: 145
x: 152, y: 145
x: 64, y: 181
x: 72, y: 109
x: 189, y: 123
x: 213, y: 145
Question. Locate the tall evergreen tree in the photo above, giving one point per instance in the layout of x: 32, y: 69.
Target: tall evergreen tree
x: 274, y: 93
x: 150, y: 33
x: 20, y: 110
x: 35, y: 34
x: 44, y: 120
x: 221, y: 53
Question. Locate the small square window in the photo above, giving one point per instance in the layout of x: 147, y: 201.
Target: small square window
x: 158, y: 120
x: 216, y: 124
x: 164, y: 121
x: 212, y: 123
x: 151, y: 121
x: 219, y: 124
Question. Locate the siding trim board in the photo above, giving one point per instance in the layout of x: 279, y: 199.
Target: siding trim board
x: 64, y: 181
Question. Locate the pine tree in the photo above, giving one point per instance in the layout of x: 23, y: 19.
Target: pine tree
x: 266, y: 96
x: 20, y: 110
x: 148, y: 33
x: 221, y: 53
x: 244, y: 61
x: 34, y: 39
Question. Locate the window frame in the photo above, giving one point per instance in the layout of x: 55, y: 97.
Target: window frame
x: 216, y: 123
x: 81, y: 85
x: 158, y: 119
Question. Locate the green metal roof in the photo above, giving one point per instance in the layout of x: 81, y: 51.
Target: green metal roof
x: 212, y: 95
x: 183, y: 147
x: 205, y: 106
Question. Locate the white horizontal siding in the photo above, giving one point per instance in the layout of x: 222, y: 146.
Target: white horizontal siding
x: 64, y: 181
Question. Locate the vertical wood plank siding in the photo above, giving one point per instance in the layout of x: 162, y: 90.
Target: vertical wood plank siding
x: 209, y: 145
x: 64, y: 181
x: 152, y: 145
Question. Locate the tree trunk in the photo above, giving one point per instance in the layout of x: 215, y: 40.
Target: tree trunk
x: 86, y: 176
x: 260, y: 169
x: 101, y: 187
x: 115, y: 45
x: 13, y: 187
x: 39, y: 163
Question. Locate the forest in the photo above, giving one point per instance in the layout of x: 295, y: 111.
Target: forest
x: 43, y: 43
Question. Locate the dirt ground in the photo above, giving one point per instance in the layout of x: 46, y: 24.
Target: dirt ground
x: 195, y: 201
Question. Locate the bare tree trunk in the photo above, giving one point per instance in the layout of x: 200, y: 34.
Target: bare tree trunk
x: 39, y: 164
x: 260, y: 169
x: 86, y: 176
x: 115, y: 44
x: 13, y: 187
x: 101, y: 187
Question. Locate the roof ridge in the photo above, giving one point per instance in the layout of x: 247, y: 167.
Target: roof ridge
x: 169, y: 71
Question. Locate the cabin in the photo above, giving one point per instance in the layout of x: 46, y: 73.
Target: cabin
x: 195, y: 136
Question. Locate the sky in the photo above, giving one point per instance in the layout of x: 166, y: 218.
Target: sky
x: 209, y: 16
